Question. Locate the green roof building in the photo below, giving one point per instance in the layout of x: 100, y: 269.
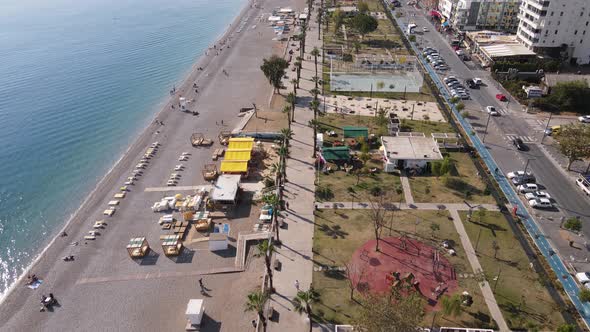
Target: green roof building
x: 336, y: 154
x: 354, y: 132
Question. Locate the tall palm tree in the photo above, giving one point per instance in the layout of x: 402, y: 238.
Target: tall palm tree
x: 287, y: 134
x: 318, y: 19
x: 315, y: 106
x: 294, y: 83
x: 314, y: 124
x: 292, y: 99
x: 315, y: 52
x: 287, y: 110
x: 256, y: 301
x: 266, y: 249
x: 298, y: 64
x: 274, y: 201
x: 303, y: 301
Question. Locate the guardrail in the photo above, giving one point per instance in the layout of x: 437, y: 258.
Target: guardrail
x: 569, y: 284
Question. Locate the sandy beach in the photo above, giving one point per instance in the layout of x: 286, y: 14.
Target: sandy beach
x: 103, y: 289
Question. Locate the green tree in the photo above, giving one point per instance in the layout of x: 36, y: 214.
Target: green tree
x: 286, y: 134
x: 274, y: 70
x: 445, y: 166
x: 451, y: 305
x: 338, y: 18
x: 314, y: 124
x: 364, y: 24
x: 357, y: 46
x: 292, y: 99
x: 584, y: 294
x: 573, y: 224
x: 574, y: 142
x: 570, y: 96
x: 362, y: 7
x: 380, y: 85
x: 460, y: 107
x: 315, y: 53
x: 412, y: 38
x: 379, y: 312
x: 454, y: 100
x: 435, y: 169
x: 266, y: 249
x: 287, y: 111
x: 303, y: 302
x: 298, y: 65
x: 567, y: 328
x: 255, y: 302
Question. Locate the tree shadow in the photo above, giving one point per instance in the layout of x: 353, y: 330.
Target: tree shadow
x: 334, y: 232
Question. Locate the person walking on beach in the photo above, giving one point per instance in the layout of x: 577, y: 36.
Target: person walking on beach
x: 297, y: 285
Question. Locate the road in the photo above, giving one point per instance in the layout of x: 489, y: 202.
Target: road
x: 514, y: 122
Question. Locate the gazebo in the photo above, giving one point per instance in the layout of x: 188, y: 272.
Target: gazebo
x: 138, y: 247
x: 171, y: 244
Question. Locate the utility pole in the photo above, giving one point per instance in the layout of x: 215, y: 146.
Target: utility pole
x: 527, y: 164
x: 486, y: 130
x: 546, y: 127
x: 497, y: 277
x: 477, y: 242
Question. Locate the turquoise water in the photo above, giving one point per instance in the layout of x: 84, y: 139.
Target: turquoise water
x: 78, y: 81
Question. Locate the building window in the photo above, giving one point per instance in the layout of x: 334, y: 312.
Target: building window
x: 581, y: 40
x: 551, y: 13
x: 586, y: 23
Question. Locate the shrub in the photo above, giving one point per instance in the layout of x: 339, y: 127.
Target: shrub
x: 427, y: 190
x: 460, y: 107
x: 454, y: 183
x: 584, y: 294
x: 465, y: 114
x: 324, y: 193
x: 376, y: 190
x: 412, y: 38
x: 573, y: 224
x: 567, y: 328
x: 268, y: 182
x: 347, y: 57
x: 425, y: 117
x: 399, y: 190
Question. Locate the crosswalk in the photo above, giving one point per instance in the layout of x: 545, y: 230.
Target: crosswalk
x: 525, y: 139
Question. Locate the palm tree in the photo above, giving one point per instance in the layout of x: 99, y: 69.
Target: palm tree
x: 274, y: 201
x: 314, y: 124
x: 287, y: 110
x: 256, y: 301
x: 266, y: 249
x: 298, y: 63
x: 294, y: 83
x: 315, y: 106
x: 292, y: 99
x: 287, y: 134
x: 315, y: 52
x: 318, y: 19
x: 303, y: 301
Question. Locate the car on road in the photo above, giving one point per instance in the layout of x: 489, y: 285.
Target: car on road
x: 424, y: 29
x: 519, y: 144
x: 501, y: 97
x: 512, y: 175
x: 537, y: 194
x: 540, y: 203
x: 583, y: 277
x: 584, y: 118
x: 527, y: 188
x: 450, y: 78
x: 491, y: 110
x: 524, y: 179
x: 477, y: 81
x: 471, y: 84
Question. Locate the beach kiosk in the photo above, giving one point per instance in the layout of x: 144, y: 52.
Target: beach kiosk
x: 171, y: 244
x: 194, y: 314
x: 217, y: 241
x: 138, y: 247
x: 225, y: 191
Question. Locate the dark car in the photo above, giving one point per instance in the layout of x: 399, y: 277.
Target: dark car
x: 519, y: 144
x: 471, y: 84
x: 528, y: 178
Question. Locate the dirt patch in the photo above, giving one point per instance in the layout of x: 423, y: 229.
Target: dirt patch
x: 267, y: 121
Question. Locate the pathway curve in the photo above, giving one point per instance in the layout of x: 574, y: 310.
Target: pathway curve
x: 486, y: 290
x: 295, y: 253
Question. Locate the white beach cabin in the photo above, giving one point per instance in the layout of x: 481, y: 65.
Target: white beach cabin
x: 409, y: 152
x: 194, y: 314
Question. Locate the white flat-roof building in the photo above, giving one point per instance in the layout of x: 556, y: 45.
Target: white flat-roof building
x: 401, y: 152
x: 226, y: 188
x: 482, y: 14
x: 557, y: 28
x: 493, y: 46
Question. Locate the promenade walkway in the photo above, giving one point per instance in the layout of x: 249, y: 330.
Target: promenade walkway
x: 295, y: 253
x: 406, y: 206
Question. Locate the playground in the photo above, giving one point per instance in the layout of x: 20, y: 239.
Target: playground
x: 405, y: 260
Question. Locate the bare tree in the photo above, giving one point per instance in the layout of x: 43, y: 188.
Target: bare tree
x: 379, y: 214
x: 354, y: 276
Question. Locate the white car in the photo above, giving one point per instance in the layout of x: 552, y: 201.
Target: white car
x: 527, y: 188
x: 583, y: 277
x: 492, y: 111
x: 514, y: 174
x: 584, y: 118
x: 540, y: 203
x: 424, y: 29
x: 537, y: 194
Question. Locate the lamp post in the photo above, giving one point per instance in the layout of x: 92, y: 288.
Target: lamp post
x: 526, y: 166
x: 486, y: 130
x: 546, y: 127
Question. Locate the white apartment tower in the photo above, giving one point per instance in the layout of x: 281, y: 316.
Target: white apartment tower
x: 481, y: 14
x: 558, y: 28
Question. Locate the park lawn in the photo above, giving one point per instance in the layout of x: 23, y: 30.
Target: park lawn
x: 517, y: 285
x: 426, y: 127
x: 340, y: 181
x: 339, y: 232
x: 430, y: 189
x: 336, y: 122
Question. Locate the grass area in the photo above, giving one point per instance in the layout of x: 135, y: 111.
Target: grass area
x: 524, y: 301
x: 339, y: 232
x: 426, y: 127
x: 340, y: 181
x: 430, y: 189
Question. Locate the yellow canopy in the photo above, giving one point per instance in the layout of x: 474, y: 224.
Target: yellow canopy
x: 238, y: 154
x: 241, y: 143
x: 234, y: 166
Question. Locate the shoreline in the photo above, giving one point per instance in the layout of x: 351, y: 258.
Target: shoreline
x: 141, y: 139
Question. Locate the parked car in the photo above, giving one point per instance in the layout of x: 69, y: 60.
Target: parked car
x: 537, y: 194
x: 477, y: 81
x: 501, y: 97
x: 512, y: 175
x: 519, y: 144
x: 527, y: 188
x: 491, y: 110
x: 424, y: 29
x: 583, y: 277
x: 584, y: 118
x: 540, y: 203
x: 523, y: 180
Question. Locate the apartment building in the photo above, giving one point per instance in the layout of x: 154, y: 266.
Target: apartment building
x: 481, y: 15
x: 557, y: 28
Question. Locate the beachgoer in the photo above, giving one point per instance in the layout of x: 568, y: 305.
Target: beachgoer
x: 253, y: 323
x: 222, y: 122
x: 297, y: 284
x: 64, y: 234
x: 287, y: 205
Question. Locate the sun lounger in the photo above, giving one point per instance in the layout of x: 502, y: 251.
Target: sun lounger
x: 114, y: 203
x: 89, y: 237
x: 127, y: 183
x: 178, y: 168
x: 109, y: 212
x: 185, y: 154
x: 99, y: 224
x: 183, y: 158
x: 120, y: 195
x: 171, y: 183
x: 93, y: 233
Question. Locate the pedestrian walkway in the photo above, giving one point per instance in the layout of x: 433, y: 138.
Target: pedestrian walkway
x: 486, y: 290
x: 407, y: 189
x: 295, y: 253
x: 406, y: 206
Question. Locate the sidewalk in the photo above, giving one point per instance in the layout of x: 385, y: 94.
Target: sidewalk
x: 295, y: 253
x: 406, y: 206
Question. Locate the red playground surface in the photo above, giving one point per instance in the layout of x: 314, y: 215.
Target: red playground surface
x: 433, y: 274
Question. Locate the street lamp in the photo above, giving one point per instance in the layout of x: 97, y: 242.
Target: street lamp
x: 526, y: 166
x: 486, y: 130
x: 546, y: 127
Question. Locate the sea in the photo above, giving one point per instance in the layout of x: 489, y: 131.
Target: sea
x: 79, y: 81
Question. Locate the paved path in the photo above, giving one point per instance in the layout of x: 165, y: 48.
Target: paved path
x: 407, y: 189
x: 406, y: 206
x: 297, y: 240
x: 486, y: 290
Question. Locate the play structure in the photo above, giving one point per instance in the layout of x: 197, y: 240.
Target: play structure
x: 406, y: 265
